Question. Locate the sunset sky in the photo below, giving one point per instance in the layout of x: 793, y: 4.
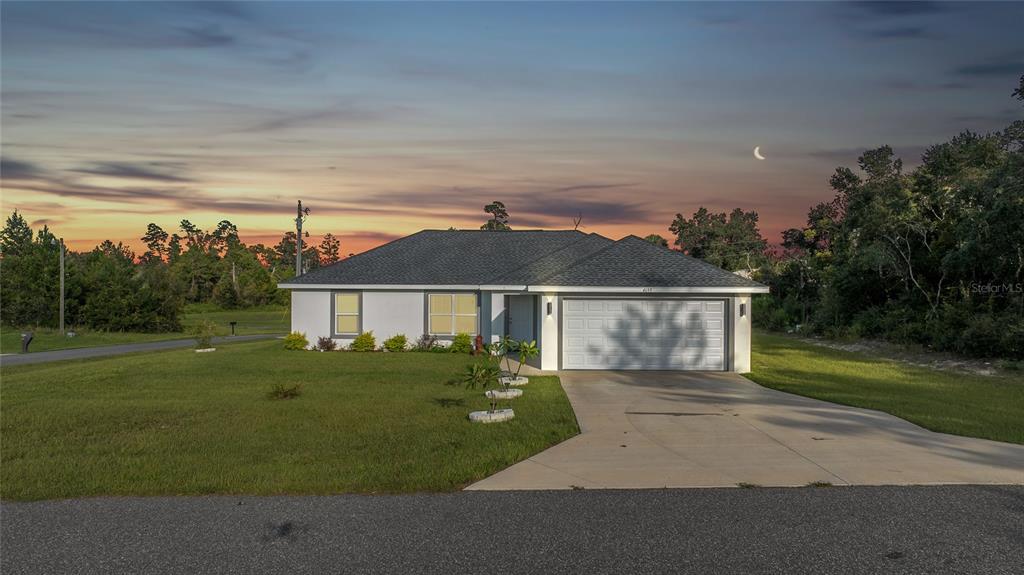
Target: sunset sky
x: 390, y: 118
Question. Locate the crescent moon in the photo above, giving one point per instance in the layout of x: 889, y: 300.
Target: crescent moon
x: 757, y: 153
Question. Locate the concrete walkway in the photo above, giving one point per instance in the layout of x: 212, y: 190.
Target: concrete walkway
x: 99, y: 351
x: 677, y: 429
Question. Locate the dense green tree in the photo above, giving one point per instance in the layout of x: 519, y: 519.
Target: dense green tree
x: 155, y: 239
x: 283, y: 254
x: 121, y: 296
x: 16, y: 236
x: 330, y: 249
x: 657, y: 240
x: 933, y: 257
x: 499, y: 217
x: 730, y: 241
x: 29, y: 274
x: 109, y: 289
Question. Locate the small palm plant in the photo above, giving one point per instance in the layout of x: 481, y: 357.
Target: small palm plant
x: 527, y: 351
x: 507, y: 346
x: 482, y: 375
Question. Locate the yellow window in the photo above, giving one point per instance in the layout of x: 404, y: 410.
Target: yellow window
x: 346, y: 313
x: 450, y: 314
x: 441, y: 324
x: 346, y: 324
x: 465, y: 304
x: 346, y: 303
x: 440, y: 303
x: 465, y: 324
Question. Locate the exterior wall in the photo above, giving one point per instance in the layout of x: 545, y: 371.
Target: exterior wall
x: 311, y: 314
x: 548, y: 333
x: 492, y: 315
x: 741, y: 335
x: 389, y: 313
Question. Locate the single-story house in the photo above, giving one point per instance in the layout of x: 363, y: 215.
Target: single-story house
x: 589, y: 302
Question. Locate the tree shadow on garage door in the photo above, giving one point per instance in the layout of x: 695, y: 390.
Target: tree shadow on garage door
x: 638, y: 348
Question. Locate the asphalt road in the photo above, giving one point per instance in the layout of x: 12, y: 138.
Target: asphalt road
x: 940, y: 529
x: 99, y: 351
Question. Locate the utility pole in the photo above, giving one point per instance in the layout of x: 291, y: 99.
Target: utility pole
x: 61, y: 245
x: 300, y: 216
x: 62, y: 286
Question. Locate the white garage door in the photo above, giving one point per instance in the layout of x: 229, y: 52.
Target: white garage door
x: 643, y: 334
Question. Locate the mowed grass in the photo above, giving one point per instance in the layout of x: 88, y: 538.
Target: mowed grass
x: 989, y: 407
x: 182, y: 423
x: 250, y: 321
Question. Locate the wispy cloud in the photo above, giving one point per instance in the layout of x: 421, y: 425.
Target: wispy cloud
x: 536, y: 206
x: 897, y: 8
x: 207, y: 36
x: 1001, y: 65
x: 890, y: 20
x: 133, y: 171
x: 900, y: 33
x: 908, y: 85
x: 338, y: 114
x: 11, y: 169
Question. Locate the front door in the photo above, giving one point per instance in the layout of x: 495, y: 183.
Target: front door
x: 522, y: 317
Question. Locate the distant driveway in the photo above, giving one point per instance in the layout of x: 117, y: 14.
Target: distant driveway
x: 99, y: 351
x: 687, y: 429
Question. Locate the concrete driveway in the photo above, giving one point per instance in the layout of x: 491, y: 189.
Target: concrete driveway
x: 678, y: 429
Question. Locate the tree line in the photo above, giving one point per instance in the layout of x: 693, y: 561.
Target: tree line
x: 112, y: 288
x: 932, y: 256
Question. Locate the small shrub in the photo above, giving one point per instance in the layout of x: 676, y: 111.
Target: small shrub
x: 326, y: 344
x: 819, y: 484
x: 282, y: 391
x: 396, y: 343
x: 479, y: 375
x: 296, y: 341
x: 203, y: 332
x: 426, y: 343
x: 364, y: 342
x: 982, y: 337
x: 462, y: 343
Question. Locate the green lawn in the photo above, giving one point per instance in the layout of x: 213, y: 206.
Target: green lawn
x: 990, y: 407
x: 178, y: 422
x: 266, y: 319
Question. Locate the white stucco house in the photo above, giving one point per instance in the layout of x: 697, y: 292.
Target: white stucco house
x: 590, y: 302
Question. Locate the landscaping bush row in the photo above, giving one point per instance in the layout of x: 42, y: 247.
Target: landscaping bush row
x: 461, y: 343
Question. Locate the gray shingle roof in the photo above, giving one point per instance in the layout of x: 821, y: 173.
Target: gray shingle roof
x: 551, y: 258
x: 633, y: 262
x: 444, y: 257
x: 553, y: 263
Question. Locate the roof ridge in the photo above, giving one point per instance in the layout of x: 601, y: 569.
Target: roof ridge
x: 579, y: 239
x: 581, y: 260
